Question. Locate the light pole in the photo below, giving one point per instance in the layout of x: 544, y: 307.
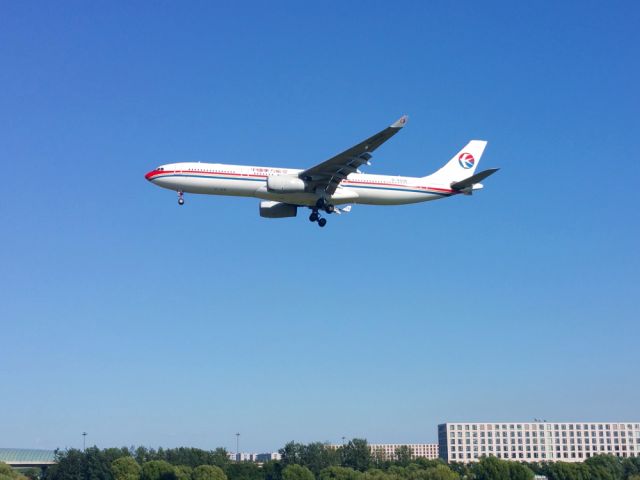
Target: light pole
x: 84, y: 441
x: 237, y: 447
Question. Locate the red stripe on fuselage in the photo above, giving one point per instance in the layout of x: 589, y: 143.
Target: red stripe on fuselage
x: 156, y: 173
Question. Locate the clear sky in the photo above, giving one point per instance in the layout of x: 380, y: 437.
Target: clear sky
x: 142, y: 322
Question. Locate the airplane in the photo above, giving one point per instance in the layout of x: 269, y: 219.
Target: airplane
x: 325, y: 187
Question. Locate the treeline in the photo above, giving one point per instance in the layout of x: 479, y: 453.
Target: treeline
x: 356, y: 461
x: 316, y: 461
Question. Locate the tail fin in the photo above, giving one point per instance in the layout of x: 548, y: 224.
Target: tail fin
x: 462, y: 165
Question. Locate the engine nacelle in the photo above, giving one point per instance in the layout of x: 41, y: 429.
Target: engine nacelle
x: 285, y: 184
x: 277, y: 210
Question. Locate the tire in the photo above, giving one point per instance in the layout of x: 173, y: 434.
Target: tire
x: 181, y: 201
x: 313, y: 217
x: 330, y: 208
x: 322, y: 222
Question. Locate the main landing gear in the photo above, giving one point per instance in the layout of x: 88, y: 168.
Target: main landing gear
x: 315, y: 212
x: 180, y: 197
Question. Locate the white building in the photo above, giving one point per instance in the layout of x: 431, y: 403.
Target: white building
x: 253, y: 457
x: 265, y: 457
x: 418, y: 450
x: 537, y: 441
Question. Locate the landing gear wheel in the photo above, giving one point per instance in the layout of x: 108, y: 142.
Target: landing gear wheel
x: 322, y: 222
x: 180, y: 197
x: 181, y: 201
x: 313, y: 217
x: 329, y: 208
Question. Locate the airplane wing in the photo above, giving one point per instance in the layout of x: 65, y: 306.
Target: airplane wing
x: 327, y: 175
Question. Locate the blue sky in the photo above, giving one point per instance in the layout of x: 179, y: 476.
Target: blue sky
x: 144, y: 323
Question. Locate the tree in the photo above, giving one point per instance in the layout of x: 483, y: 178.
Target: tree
x: 403, y: 455
x: 605, y: 467
x: 297, y: 472
x: 566, y: 471
x: 291, y: 453
x: 491, y: 468
x: 244, y: 471
x: 631, y: 467
x: 517, y: 471
x: 340, y: 473
x: 158, y: 470
x: 125, y: 468
x: 144, y: 454
x: 8, y: 473
x: 220, y: 457
x: 397, y: 471
x: 462, y: 469
x: 208, y: 472
x: 356, y: 454
x: 379, y: 457
x: 428, y: 463
x: 183, y: 472
x: 316, y: 456
x: 376, y: 474
x: 440, y: 472
x: 92, y: 464
x: 32, y: 473
x: 272, y: 470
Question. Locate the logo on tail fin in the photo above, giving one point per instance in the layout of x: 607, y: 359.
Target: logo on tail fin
x: 466, y: 160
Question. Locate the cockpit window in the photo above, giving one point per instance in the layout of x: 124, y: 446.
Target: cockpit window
x: 160, y: 169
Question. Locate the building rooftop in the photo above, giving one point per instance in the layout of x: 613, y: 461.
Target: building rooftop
x: 26, y: 456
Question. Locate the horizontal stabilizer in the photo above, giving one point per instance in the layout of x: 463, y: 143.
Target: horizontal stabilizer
x: 469, y: 182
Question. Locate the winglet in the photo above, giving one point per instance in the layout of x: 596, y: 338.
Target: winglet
x: 401, y: 122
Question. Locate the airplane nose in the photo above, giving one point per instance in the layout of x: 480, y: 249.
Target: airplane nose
x: 149, y: 175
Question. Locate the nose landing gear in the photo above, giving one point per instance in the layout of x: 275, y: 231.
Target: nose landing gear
x: 180, y: 197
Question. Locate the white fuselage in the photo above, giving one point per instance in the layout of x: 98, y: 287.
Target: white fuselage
x: 248, y: 181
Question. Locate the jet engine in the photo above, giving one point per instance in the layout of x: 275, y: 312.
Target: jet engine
x: 277, y: 210
x: 285, y: 184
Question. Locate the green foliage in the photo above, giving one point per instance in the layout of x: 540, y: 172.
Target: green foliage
x: 356, y: 454
x: 158, y: 470
x: 403, y: 455
x: 517, y: 471
x: 272, y: 470
x: 291, y: 453
x: 125, y: 468
x: 566, y: 471
x: 491, y: 468
x: 194, y: 457
x: 208, y: 472
x: 92, y: 464
x: 440, y: 472
x: 631, y: 467
x: 462, y: 469
x: 184, y: 472
x: 191, y: 457
x: 340, y: 473
x: 32, y: 473
x: 605, y: 467
x: 244, y: 471
x: 8, y: 473
x: 317, y: 456
x: 297, y: 472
